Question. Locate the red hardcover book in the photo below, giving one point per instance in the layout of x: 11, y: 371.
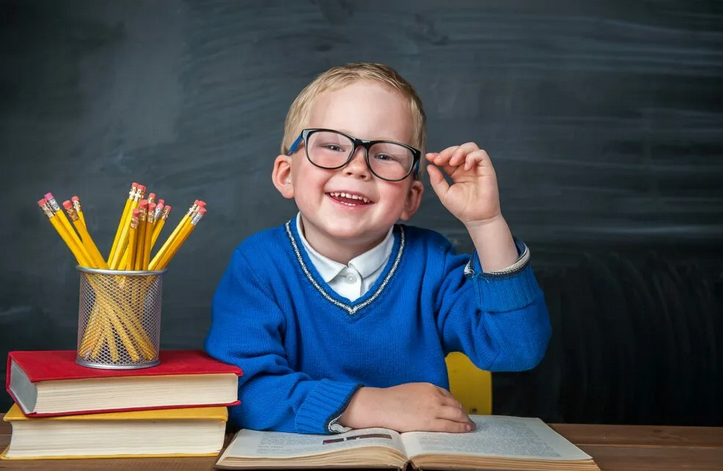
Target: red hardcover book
x: 48, y: 383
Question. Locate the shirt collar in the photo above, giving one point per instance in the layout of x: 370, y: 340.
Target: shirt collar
x: 366, y: 264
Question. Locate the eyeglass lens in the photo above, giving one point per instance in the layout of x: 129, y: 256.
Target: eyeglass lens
x: 387, y: 160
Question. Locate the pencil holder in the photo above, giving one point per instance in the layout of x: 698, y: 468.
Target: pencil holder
x: 119, y: 318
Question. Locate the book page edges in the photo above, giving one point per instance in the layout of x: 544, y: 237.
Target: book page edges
x: 3, y: 456
x: 201, y: 413
x: 345, y: 458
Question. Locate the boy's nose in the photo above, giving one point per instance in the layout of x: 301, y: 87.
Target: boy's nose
x: 357, y: 166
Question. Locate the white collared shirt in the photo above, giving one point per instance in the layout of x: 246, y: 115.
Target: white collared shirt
x: 360, y: 274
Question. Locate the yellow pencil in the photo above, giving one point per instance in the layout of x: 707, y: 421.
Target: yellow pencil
x: 150, y: 220
x: 123, y: 240
x: 110, y: 340
x: 165, y: 212
x: 68, y: 228
x: 180, y: 240
x: 79, y: 209
x: 79, y: 256
x: 126, y: 257
x: 159, y: 207
x: 167, y: 244
x: 140, y: 243
x: 132, y: 237
x: 123, y: 221
x: 87, y: 240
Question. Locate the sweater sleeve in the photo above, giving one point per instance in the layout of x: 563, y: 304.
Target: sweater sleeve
x: 500, y: 321
x: 247, y: 330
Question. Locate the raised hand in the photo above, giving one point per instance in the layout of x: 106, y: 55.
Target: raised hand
x: 473, y: 196
x: 474, y: 199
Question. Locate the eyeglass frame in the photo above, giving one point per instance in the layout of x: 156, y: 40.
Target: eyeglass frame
x: 305, y: 133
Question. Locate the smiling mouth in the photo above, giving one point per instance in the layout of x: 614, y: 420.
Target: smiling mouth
x: 348, y: 199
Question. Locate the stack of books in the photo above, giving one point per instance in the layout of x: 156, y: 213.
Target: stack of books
x: 63, y: 410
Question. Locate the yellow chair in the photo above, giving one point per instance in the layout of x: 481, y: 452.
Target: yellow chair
x: 469, y: 385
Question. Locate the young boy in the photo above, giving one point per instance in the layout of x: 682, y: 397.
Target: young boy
x: 342, y: 318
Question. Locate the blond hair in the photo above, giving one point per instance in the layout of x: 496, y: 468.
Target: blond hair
x: 341, y: 76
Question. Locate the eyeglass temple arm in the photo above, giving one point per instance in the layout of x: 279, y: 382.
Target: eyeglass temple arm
x: 296, y: 143
x: 415, y: 168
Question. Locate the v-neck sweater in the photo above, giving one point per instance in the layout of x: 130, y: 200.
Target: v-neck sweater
x: 305, y: 350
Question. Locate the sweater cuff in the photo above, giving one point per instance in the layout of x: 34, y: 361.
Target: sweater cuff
x: 507, y: 290
x: 326, y: 402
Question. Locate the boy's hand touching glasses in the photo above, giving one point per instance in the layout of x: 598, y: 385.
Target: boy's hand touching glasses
x: 473, y: 196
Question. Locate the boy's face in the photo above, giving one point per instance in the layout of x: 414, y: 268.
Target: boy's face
x: 334, y: 223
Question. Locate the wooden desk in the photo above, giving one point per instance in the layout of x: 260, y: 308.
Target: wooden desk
x: 614, y: 448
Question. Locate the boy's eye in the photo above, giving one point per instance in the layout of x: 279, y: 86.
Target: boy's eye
x: 334, y: 147
x: 387, y: 157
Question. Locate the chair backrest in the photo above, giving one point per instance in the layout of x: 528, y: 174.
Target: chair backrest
x: 469, y: 385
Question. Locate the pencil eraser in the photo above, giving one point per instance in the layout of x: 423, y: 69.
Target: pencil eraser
x: 169, y: 208
x: 152, y: 196
x: 143, y: 204
x: 201, y: 203
x: 42, y: 202
x: 134, y: 185
x: 152, y: 207
x: 75, y: 198
x: 160, y: 206
x: 141, y: 187
x: 202, y: 211
x: 67, y: 204
x: 136, y: 212
x: 49, y: 196
x: 161, y: 201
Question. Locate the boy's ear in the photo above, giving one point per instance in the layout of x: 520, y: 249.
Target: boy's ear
x: 414, y: 199
x: 281, y: 176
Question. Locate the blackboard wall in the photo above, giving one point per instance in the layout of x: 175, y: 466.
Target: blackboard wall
x: 604, y: 122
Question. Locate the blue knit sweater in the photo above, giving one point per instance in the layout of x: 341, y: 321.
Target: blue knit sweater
x: 305, y: 350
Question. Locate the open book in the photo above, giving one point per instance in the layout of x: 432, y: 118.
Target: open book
x: 499, y: 443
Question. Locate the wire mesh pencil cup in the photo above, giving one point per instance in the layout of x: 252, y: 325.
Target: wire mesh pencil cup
x: 119, y: 318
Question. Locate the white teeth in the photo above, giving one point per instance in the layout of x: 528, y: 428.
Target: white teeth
x: 349, y: 196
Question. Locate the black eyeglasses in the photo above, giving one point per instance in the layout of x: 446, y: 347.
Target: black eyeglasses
x: 329, y: 149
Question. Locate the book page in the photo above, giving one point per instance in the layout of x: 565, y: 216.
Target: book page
x: 497, y: 436
x: 256, y: 444
x: 25, y: 391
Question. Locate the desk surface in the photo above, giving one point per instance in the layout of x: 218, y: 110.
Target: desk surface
x: 614, y: 448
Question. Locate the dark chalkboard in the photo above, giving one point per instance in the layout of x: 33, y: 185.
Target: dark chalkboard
x: 603, y: 119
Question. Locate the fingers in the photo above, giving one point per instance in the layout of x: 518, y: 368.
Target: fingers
x: 455, y: 414
x: 454, y: 425
x: 453, y: 160
x: 452, y: 156
x: 451, y: 409
x: 436, y: 179
x: 478, y: 157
